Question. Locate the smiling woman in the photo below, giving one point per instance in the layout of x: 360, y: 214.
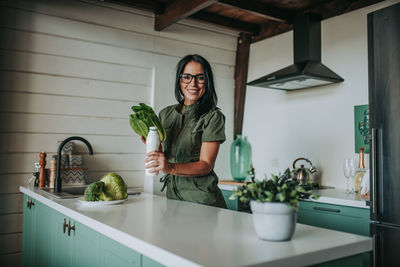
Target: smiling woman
x: 191, y: 84
x: 195, y: 129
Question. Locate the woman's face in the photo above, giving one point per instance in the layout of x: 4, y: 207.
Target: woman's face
x: 195, y: 89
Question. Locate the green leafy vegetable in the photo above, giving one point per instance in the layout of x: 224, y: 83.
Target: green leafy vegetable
x: 94, y: 191
x: 110, y: 187
x: 144, y: 117
x: 114, y: 186
x: 281, y: 188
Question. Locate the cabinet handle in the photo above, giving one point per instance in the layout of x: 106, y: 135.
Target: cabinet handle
x: 29, y: 203
x: 373, y: 173
x: 70, y: 227
x: 374, y: 247
x: 326, y: 209
x: 65, y: 225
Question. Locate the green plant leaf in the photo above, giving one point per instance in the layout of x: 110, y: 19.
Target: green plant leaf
x: 279, y: 188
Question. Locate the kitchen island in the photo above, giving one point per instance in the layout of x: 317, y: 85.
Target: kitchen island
x: 177, y: 233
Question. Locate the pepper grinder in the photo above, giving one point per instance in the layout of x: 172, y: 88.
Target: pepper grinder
x: 42, y: 171
x: 53, y: 170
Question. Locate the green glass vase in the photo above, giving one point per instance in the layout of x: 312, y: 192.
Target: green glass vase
x: 240, y: 158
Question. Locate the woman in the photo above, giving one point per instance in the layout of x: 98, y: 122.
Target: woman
x: 195, y: 129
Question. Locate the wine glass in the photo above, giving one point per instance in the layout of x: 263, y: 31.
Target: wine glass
x: 348, y: 170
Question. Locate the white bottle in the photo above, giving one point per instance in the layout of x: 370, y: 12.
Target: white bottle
x: 152, y: 144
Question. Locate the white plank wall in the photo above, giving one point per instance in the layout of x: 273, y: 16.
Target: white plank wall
x: 75, y: 68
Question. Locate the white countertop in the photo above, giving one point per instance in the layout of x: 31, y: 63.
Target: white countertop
x: 339, y: 197
x: 329, y: 196
x: 178, y: 233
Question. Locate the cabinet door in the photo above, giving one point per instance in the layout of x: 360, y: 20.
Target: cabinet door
x: 232, y: 204
x: 62, y: 249
x: 117, y: 255
x: 336, y: 217
x: 28, y: 231
x: 86, y: 247
x: 44, y: 241
x: 235, y: 204
x: 147, y: 262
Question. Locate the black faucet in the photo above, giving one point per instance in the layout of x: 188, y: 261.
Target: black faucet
x: 57, y: 181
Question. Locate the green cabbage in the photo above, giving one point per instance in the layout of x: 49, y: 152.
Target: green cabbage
x: 94, y: 191
x: 114, y: 186
x: 143, y: 118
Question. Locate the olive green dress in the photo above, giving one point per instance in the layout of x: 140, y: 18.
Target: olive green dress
x: 185, y: 134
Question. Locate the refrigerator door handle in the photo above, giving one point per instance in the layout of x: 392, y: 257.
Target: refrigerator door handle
x: 373, y: 173
x: 374, y: 251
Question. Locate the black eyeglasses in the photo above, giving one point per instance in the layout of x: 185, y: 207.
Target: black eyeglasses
x: 187, y: 78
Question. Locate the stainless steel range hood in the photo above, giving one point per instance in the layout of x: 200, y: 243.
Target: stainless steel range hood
x: 307, y: 70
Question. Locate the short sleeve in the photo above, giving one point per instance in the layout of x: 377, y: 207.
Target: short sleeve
x: 214, y: 128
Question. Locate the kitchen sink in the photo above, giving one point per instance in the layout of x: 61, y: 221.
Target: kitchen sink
x: 67, y: 192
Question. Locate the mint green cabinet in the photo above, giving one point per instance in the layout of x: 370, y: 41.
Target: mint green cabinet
x: 336, y: 217
x: 51, y: 238
x: 147, y: 262
x: 28, y: 228
x: 234, y: 204
x: 117, y: 255
x: 62, y: 250
x: 86, y: 246
x: 44, y: 241
x: 75, y: 244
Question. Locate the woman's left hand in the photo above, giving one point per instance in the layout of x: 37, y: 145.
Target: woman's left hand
x: 158, y: 162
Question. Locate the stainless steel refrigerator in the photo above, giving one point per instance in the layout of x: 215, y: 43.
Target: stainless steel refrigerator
x: 384, y: 105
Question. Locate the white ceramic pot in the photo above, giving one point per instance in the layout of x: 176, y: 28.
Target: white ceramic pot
x: 273, y: 221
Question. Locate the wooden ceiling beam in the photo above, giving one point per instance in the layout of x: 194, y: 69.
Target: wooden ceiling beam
x: 326, y: 10
x: 227, y: 22
x: 179, y: 9
x: 271, y: 29
x: 338, y: 7
x: 139, y: 4
x: 260, y: 9
x: 241, y: 70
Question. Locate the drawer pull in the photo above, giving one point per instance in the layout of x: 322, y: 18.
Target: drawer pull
x: 29, y: 203
x: 326, y: 209
x: 64, y: 225
x: 70, y: 228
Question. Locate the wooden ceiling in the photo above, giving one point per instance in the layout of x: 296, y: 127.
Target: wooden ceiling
x: 260, y: 19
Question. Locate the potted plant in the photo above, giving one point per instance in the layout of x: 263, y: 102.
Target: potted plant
x: 274, y: 204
